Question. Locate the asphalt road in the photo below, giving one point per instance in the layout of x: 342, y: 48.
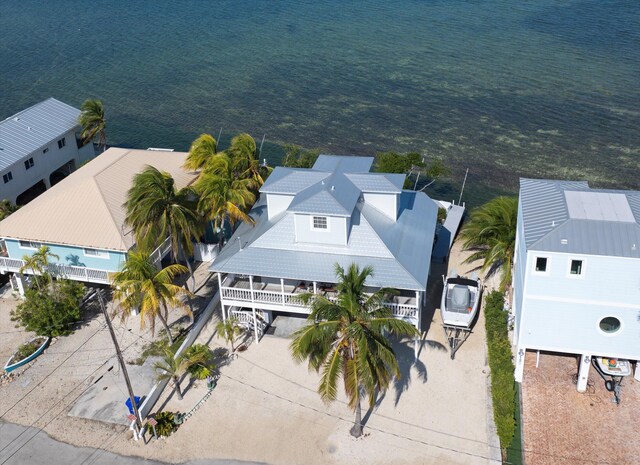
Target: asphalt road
x: 20, y: 445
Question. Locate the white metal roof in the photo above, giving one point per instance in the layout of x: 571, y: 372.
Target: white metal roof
x: 85, y: 209
x: 570, y: 217
x: 33, y: 128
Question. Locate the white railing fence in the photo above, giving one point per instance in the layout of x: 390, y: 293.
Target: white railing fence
x: 76, y: 273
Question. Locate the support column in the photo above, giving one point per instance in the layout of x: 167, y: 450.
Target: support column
x: 282, y: 289
x: 315, y: 287
x: 636, y: 375
x: 416, y: 345
x: 224, y: 315
x: 253, y: 309
x: 419, y: 310
x: 520, y: 355
x: 583, y: 372
x: 20, y: 282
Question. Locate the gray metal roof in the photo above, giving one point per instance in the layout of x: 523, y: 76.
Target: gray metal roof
x: 343, y: 163
x: 292, y: 181
x: 335, y: 195
x: 378, y: 182
x: 400, y: 252
x: 568, y: 216
x: 31, y: 129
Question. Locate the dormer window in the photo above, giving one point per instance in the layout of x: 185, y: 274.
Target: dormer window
x: 319, y: 222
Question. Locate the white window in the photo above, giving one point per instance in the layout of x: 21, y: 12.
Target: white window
x: 319, y: 222
x: 7, y: 177
x: 28, y: 163
x: 30, y: 245
x: 541, y: 264
x: 61, y: 143
x: 576, y: 267
x: 96, y: 253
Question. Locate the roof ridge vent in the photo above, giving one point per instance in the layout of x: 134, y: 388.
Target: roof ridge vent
x: 553, y: 223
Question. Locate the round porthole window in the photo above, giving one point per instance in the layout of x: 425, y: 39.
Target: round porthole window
x: 610, y: 324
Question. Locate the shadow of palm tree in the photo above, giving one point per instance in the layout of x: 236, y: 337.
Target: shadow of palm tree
x: 406, y: 362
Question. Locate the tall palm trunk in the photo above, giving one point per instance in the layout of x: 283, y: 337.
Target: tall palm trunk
x: 193, y: 280
x: 356, y: 430
x: 176, y: 387
x: 163, y: 320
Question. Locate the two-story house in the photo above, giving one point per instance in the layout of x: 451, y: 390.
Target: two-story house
x: 38, y: 147
x: 307, y: 220
x: 82, y: 218
x: 577, y: 273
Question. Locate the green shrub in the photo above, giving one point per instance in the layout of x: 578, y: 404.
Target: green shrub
x: 52, y: 310
x: 442, y: 214
x: 166, y: 426
x: 200, y: 370
x: 502, y: 368
x: 26, y: 350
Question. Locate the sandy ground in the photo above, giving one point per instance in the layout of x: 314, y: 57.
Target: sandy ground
x: 266, y: 408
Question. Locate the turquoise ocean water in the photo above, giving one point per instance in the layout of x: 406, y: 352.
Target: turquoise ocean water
x: 533, y: 88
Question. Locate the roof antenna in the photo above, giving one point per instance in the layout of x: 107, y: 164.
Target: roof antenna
x: 239, y: 242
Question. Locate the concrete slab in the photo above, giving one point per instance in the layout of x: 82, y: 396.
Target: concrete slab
x: 104, y: 400
x: 285, y: 326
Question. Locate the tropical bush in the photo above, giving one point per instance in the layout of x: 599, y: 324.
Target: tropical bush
x: 205, y: 368
x: 502, y: 368
x: 27, y: 349
x: 297, y: 157
x: 166, y: 425
x: 51, y: 311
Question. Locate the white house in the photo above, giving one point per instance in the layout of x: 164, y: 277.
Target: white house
x: 577, y: 272
x: 81, y: 218
x: 39, y: 146
x: 307, y: 220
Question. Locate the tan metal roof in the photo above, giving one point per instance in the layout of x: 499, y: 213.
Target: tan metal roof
x: 85, y: 209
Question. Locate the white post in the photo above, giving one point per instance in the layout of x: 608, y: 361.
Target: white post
x: 537, y: 358
x: 282, y: 289
x: 20, y: 284
x: 253, y: 309
x: 224, y: 315
x: 583, y: 372
x: 418, y: 310
x: 416, y: 341
x: 315, y: 287
x: 520, y: 356
x: 636, y: 374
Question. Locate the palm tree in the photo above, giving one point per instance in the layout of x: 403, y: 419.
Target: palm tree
x: 491, y: 233
x: 244, y: 156
x: 201, y: 151
x: 348, y: 339
x: 38, y: 264
x: 173, y: 366
x: 223, y: 196
x: 93, y: 122
x: 156, y: 209
x: 230, y: 329
x: 6, y: 208
x: 139, y: 285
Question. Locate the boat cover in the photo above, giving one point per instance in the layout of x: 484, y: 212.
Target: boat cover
x: 458, y: 299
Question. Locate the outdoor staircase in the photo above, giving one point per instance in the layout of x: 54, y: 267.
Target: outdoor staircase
x: 245, y: 318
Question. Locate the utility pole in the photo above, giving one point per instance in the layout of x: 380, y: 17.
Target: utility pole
x: 123, y: 367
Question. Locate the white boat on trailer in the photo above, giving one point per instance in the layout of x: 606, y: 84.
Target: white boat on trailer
x: 459, y: 307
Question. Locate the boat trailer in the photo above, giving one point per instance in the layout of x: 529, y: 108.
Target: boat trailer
x: 456, y: 335
x: 612, y: 382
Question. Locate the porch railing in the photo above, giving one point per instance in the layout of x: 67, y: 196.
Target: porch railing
x: 76, y: 273
x: 294, y: 300
x: 161, y: 251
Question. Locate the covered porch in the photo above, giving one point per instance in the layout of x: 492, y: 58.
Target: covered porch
x: 264, y: 295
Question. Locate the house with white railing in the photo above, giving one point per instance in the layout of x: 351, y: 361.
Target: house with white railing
x: 307, y: 220
x: 81, y: 219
